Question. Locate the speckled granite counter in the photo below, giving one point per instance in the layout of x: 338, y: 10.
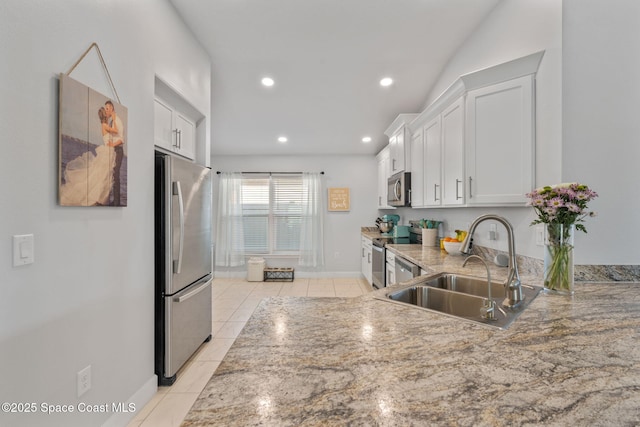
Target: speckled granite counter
x: 327, y: 361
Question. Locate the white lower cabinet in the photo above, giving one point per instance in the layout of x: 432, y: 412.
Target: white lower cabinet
x: 391, y: 268
x: 367, y: 266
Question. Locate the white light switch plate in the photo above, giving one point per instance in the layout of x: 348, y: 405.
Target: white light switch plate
x: 540, y: 235
x: 23, y: 250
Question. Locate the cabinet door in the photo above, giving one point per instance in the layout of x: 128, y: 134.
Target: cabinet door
x: 432, y: 163
x: 367, y: 267
x: 391, y: 274
x: 397, y: 151
x: 500, y: 158
x: 163, y: 125
x: 453, y: 154
x: 417, y: 170
x: 384, y: 172
x: 173, y: 130
x: 369, y: 272
x: 393, y: 153
x: 185, y: 136
x: 400, y: 163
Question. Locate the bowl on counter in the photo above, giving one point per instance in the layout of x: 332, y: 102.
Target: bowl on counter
x: 453, y: 248
x: 385, y: 227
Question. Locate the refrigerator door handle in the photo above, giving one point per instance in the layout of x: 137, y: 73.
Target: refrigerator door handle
x: 177, y: 191
x: 193, y: 292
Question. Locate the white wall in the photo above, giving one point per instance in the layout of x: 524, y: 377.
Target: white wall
x: 342, y: 229
x: 87, y: 299
x: 515, y: 28
x: 601, y: 94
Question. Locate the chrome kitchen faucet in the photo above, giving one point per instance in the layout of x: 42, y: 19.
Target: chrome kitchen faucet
x: 488, y: 310
x: 512, y: 287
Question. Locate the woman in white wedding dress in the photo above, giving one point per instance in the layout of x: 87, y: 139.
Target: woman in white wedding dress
x: 88, y: 177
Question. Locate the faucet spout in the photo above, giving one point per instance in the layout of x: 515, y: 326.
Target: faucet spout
x: 488, y: 310
x: 512, y: 286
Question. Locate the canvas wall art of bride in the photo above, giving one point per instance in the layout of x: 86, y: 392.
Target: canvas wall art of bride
x: 93, y: 169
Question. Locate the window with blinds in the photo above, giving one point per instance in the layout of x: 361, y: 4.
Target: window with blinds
x: 272, y: 214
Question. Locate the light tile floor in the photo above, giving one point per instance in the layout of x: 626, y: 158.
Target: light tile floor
x: 234, y: 300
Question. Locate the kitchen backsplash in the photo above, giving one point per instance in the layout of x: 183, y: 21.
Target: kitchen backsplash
x: 583, y: 273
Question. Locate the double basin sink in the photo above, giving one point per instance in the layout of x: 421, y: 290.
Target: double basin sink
x: 462, y: 297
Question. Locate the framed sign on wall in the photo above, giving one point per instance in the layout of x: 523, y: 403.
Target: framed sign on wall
x: 339, y: 200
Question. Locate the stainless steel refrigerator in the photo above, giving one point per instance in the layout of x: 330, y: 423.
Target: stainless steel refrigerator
x: 183, y: 262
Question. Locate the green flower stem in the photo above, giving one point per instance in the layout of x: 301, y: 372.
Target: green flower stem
x: 558, y: 275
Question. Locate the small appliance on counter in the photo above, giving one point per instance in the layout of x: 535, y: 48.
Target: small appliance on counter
x: 387, y: 224
x: 400, y: 231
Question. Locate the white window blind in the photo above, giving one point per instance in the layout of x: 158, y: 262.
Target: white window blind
x: 271, y: 210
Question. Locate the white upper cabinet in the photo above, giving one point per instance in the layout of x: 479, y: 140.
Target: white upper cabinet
x: 384, y: 172
x: 179, y: 128
x: 500, y: 143
x: 432, y: 163
x: 453, y: 154
x: 400, y: 143
x: 478, y: 139
x: 173, y: 131
x: 417, y: 170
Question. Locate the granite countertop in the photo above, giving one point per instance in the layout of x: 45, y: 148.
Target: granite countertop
x: 362, y: 361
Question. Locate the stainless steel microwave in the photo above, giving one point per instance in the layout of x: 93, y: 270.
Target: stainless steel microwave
x: 399, y: 189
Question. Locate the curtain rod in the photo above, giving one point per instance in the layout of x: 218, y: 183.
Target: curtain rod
x: 273, y: 173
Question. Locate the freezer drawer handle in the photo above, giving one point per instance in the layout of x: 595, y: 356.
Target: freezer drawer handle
x: 193, y: 293
x: 177, y: 191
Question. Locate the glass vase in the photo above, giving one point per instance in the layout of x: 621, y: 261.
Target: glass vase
x: 558, y: 259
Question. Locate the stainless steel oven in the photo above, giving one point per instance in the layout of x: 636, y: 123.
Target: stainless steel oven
x: 399, y: 189
x: 378, y: 261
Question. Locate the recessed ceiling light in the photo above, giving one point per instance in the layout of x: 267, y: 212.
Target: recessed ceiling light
x: 366, y: 139
x: 282, y: 139
x: 267, y: 81
x: 387, y: 81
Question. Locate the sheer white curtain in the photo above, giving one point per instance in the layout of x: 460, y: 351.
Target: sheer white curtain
x: 229, y: 228
x: 311, y: 228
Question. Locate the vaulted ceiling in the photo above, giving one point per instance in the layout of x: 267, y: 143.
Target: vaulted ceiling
x: 326, y: 58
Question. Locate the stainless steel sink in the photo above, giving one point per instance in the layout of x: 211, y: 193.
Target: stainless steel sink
x: 466, y: 284
x: 461, y: 297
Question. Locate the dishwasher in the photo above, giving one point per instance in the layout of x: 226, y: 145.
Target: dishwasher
x: 405, y: 270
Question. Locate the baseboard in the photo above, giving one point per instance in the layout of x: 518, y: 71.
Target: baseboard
x: 135, y: 404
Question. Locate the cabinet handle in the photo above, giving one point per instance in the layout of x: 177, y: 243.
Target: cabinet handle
x: 470, y: 196
x: 435, y: 192
x: 393, y: 164
x: 178, y: 133
x: 369, y: 258
x: 362, y: 252
x: 409, y: 196
x: 458, y: 181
